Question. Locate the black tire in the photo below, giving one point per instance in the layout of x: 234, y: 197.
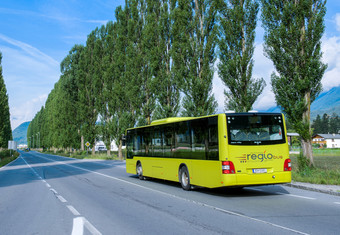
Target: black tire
x: 184, y: 178
x: 139, y: 170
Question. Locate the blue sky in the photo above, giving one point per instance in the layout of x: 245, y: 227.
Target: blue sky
x: 35, y: 36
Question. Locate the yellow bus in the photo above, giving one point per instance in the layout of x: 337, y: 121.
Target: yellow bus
x: 223, y: 150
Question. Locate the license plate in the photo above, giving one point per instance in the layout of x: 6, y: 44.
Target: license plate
x: 259, y: 171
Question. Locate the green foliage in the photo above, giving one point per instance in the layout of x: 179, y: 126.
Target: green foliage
x: 328, y: 124
x: 293, y: 42
x: 168, y: 85
x: 7, y: 156
x: 195, y: 38
x: 303, y: 163
x: 237, y: 27
x: 5, y: 123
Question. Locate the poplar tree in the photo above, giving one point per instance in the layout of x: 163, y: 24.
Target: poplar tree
x: 144, y: 15
x: 102, y: 62
x: 293, y: 42
x: 5, y: 123
x: 122, y: 76
x: 195, y: 37
x: 88, y: 114
x: 69, y: 106
x: 168, y: 85
x: 237, y: 34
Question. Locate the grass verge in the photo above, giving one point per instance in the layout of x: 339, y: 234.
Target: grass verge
x: 326, y: 170
x: 85, y: 155
x: 7, y: 156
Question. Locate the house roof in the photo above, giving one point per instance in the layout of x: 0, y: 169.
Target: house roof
x: 292, y: 134
x: 328, y: 136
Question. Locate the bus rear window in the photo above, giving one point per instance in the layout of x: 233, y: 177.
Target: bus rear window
x: 255, y: 129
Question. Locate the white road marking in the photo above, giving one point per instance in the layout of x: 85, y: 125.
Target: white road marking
x: 293, y: 195
x: 90, y: 227
x: 78, y: 226
x: 49, y: 186
x: 61, y: 198
x: 337, y: 203
x: 73, y: 210
x: 171, y: 195
x: 53, y: 190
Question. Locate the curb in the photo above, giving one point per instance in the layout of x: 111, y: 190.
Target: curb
x: 293, y: 185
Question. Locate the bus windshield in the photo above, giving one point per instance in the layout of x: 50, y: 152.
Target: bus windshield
x: 255, y: 129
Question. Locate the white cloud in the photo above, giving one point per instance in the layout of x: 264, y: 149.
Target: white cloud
x: 31, y: 51
x: 27, y: 110
x: 100, y: 22
x: 29, y: 75
x: 331, y: 56
x: 337, y: 21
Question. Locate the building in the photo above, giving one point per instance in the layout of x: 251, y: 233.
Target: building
x: 328, y: 140
x: 100, y: 146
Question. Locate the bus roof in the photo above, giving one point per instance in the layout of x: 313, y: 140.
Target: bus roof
x: 252, y: 114
x: 170, y: 119
x: 179, y: 119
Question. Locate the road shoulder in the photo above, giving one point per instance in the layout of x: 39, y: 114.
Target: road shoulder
x: 329, y: 189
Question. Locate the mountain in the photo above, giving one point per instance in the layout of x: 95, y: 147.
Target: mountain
x: 327, y: 102
x: 20, y: 133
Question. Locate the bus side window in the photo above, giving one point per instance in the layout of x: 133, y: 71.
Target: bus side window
x: 169, y: 140
x: 138, y: 145
x: 199, y: 138
x: 157, y: 142
x: 213, y: 139
x: 182, y: 141
x: 130, y: 143
x: 147, y: 141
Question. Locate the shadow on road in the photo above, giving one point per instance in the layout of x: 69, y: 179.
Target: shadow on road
x: 228, y: 192
x: 30, y: 165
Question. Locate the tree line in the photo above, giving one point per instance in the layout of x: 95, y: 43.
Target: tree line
x: 157, y: 60
x: 5, y: 123
x: 328, y: 124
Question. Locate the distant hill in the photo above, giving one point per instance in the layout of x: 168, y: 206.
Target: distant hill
x: 20, y: 133
x: 327, y: 102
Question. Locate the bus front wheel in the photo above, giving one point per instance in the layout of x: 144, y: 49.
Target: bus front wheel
x: 139, y: 171
x: 184, y: 178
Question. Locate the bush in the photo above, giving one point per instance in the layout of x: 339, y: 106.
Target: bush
x: 8, y: 153
x: 7, y: 156
x: 303, y: 163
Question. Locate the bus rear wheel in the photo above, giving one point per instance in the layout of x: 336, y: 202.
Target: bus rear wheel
x: 184, y: 178
x: 139, y: 171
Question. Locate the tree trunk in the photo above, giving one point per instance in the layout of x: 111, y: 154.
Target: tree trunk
x: 307, y: 150
x: 120, y: 154
x: 94, y: 148
x: 82, y: 143
x: 306, y: 141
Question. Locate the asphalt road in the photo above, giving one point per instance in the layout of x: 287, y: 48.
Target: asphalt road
x: 46, y: 194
